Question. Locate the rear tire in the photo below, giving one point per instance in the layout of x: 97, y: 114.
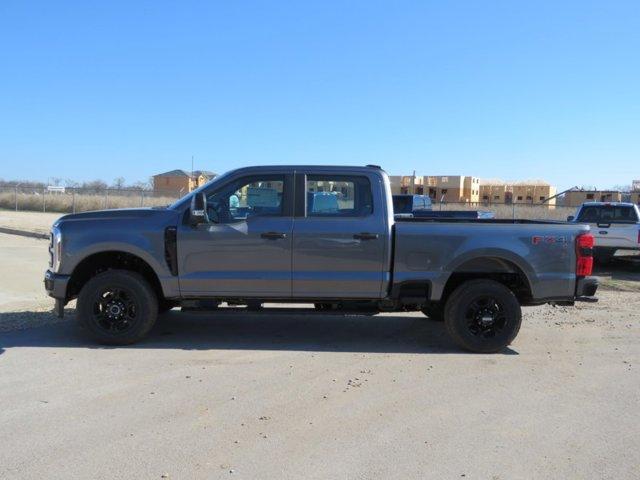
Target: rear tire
x: 254, y: 306
x: 117, y: 307
x: 483, y: 316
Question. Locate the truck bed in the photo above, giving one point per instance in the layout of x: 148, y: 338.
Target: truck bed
x: 434, y: 249
x: 508, y: 221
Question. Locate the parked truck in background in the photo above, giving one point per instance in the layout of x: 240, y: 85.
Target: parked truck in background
x: 321, y: 235
x: 614, y: 225
x: 407, y: 206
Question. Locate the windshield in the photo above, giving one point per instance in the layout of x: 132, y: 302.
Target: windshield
x: 608, y: 214
x: 181, y: 202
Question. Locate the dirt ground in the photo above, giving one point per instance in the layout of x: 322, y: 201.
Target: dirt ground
x: 263, y: 395
x: 37, y: 222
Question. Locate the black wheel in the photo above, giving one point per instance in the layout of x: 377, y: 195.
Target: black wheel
x: 434, y: 311
x: 254, y: 306
x: 117, y: 307
x: 482, y: 316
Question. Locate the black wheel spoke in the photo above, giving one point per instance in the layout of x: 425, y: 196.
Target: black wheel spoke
x: 114, y: 309
x: 485, y: 317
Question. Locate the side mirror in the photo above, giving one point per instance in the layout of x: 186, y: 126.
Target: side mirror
x: 198, y: 213
x: 570, y: 218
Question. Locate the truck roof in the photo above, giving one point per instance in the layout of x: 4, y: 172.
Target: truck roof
x: 333, y: 168
x: 613, y: 204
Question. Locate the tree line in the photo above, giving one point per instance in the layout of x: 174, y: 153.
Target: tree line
x: 118, y: 183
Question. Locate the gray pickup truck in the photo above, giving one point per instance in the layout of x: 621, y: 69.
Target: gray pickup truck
x: 319, y: 235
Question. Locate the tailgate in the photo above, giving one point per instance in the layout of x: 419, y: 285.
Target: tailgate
x: 617, y: 235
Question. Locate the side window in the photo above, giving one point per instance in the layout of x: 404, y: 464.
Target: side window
x: 247, y: 197
x: 338, y: 196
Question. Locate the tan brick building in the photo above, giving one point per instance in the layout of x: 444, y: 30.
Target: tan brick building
x: 447, y: 188
x: 404, y: 184
x: 466, y: 189
x: 180, y: 180
x: 533, y: 192
x: 453, y: 189
x: 635, y: 192
x: 494, y: 193
x: 575, y: 198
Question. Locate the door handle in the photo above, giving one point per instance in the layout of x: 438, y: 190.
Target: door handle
x: 365, y: 236
x: 273, y: 235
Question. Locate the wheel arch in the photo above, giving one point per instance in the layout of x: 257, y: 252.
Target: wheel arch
x: 507, y: 269
x: 99, y: 262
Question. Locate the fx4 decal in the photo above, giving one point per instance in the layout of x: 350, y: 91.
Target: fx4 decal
x: 548, y: 240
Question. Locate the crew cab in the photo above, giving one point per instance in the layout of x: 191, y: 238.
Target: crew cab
x: 324, y: 236
x: 614, y: 225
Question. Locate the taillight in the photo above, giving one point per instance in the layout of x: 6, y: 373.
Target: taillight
x: 584, y: 255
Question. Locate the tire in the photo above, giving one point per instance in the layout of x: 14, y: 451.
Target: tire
x: 254, y: 306
x: 323, y: 307
x: 117, y: 307
x: 482, y: 316
x: 434, y: 311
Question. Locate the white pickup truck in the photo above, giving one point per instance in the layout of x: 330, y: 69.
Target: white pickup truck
x: 615, y: 226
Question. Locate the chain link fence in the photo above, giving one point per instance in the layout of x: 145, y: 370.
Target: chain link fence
x: 72, y: 200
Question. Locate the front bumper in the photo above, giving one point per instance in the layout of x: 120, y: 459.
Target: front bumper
x: 56, y: 287
x: 586, y: 287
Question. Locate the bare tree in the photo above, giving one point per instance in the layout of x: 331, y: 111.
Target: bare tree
x: 119, y: 183
x: 95, y: 185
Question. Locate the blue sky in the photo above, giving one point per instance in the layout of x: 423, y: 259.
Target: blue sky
x: 512, y: 90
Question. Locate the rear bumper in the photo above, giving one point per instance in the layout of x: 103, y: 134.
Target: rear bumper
x: 586, y: 287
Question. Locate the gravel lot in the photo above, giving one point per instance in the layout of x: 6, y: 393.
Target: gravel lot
x: 271, y: 396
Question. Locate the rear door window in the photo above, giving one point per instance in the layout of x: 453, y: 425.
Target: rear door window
x: 338, y: 196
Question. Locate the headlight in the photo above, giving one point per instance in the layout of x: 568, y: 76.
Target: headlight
x: 55, y: 249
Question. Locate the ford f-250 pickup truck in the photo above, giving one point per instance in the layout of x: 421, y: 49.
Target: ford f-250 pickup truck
x: 271, y: 234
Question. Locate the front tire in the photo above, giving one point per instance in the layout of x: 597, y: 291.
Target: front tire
x: 483, y: 316
x: 434, y: 311
x: 117, y: 307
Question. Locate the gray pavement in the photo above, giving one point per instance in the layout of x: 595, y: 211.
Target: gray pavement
x: 236, y: 395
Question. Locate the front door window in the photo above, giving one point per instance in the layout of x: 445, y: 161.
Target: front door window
x: 245, y: 198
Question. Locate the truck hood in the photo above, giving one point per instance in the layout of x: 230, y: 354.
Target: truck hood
x: 123, y: 214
